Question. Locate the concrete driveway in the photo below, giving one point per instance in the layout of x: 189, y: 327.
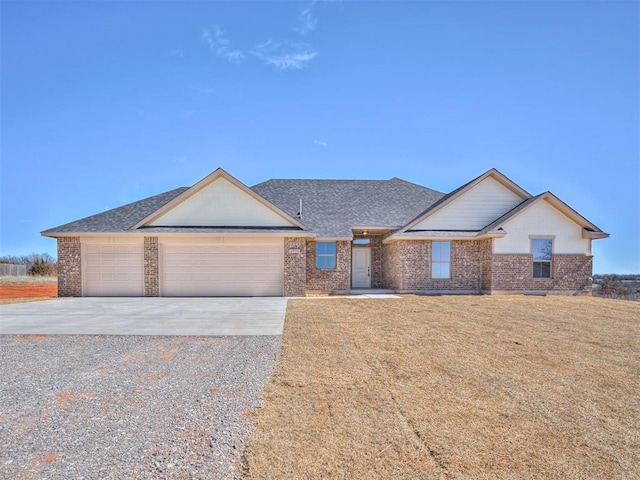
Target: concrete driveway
x: 146, y: 316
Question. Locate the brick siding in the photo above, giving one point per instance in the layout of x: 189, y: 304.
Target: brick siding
x: 485, y: 250
x: 151, y: 280
x: 407, y: 266
x: 295, y: 267
x: 573, y: 272
x: 390, y: 268
x: 325, y: 280
x: 514, y: 272
x: 69, y: 267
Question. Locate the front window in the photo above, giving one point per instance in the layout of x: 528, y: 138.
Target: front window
x: 440, y: 259
x: 541, y: 249
x: 326, y: 255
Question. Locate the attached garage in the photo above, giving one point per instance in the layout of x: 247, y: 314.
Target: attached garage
x: 216, y: 238
x: 222, y: 267
x: 113, y: 270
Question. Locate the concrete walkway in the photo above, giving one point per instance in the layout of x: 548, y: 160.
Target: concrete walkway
x: 146, y: 316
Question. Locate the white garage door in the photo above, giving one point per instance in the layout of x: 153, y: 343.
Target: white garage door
x: 113, y: 270
x: 221, y: 270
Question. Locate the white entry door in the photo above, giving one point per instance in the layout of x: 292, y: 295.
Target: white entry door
x: 361, y: 267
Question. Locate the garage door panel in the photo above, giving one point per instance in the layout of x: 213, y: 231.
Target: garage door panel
x: 221, y: 270
x: 114, y: 270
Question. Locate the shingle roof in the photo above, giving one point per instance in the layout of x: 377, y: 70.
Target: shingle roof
x: 119, y: 219
x: 332, y: 207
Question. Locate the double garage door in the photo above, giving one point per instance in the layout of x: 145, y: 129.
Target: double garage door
x: 229, y: 268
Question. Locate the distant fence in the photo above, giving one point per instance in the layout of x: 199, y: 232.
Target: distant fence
x: 10, y: 270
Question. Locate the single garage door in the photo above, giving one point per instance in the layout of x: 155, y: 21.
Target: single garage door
x: 113, y: 270
x: 210, y: 270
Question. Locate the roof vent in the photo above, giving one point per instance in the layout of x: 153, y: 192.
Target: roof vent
x: 300, y: 211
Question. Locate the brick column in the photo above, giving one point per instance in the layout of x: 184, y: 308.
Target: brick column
x: 151, y: 283
x: 69, y: 267
x: 295, y: 267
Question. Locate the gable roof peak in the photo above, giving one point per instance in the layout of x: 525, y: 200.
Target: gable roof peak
x: 217, y: 174
x: 555, y: 202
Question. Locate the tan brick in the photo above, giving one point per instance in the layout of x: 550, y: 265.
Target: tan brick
x: 151, y: 280
x: 69, y: 267
x: 295, y: 267
x: 514, y: 272
x: 324, y: 280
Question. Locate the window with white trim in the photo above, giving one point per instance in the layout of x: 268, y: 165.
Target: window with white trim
x: 440, y: 259
x: 326, y: 255
x: 541, y: 250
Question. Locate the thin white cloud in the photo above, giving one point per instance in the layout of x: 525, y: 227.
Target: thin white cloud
x: 321, y: 143
x: 305, y: 22
x: 285, y: 55
x: 177, y: 52
x: 220, y: 45
x: 204, y: 91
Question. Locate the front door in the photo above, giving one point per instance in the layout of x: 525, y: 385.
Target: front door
x: 361, y: 267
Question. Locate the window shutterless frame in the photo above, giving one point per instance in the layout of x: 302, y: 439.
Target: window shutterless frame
x: 440, y: 260
x: 542, y: 252
x: 326, y: 255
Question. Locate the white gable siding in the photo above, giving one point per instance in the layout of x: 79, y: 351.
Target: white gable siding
x: 221, y: 204
x: 541, y: 219
x: 474, y: 209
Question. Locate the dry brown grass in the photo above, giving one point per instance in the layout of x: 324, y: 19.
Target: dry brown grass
x: 27, y: 280
x: 453, y: 387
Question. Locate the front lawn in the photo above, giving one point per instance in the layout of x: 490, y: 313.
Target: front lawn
x: 453, y: 387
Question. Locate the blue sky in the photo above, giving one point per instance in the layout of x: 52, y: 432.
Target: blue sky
x: 104, y: 103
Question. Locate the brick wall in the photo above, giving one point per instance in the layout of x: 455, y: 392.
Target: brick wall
x: 295, y: 267
x: 390, y: 266
x: 326, y: 281
x: 573, y: 272
x: 514, y: 272
x: 151, y: 281
x: 409, y: 261
x: 375, y: 244
x: 69, y: 267
x: 407, y: 265
x: 485, y: 250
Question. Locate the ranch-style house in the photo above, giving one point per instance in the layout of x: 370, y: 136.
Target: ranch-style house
x: 306, y: 237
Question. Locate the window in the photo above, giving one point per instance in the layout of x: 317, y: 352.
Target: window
x: 325, y: 254
x: 440, y: 259
x: 361, y: 241
x: 541, y: 248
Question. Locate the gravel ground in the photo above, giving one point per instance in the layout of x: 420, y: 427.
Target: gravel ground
x: 114, y: 407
